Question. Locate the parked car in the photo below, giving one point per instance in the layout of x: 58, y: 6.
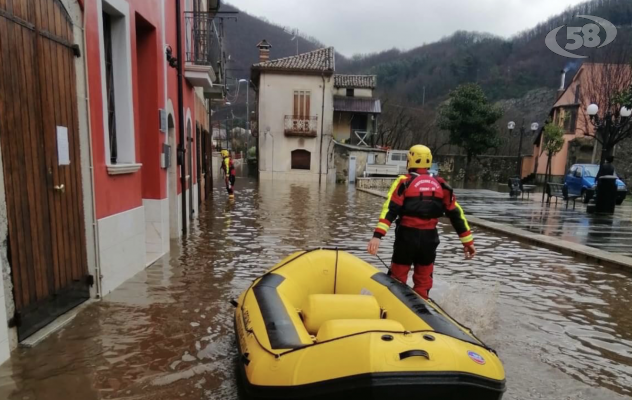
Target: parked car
x: 580, y: 181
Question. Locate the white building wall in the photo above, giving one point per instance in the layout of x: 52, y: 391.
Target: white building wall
x: 356, y: 92
x: 122, y: 247
x: 276, y: 100
x: 156, y: 228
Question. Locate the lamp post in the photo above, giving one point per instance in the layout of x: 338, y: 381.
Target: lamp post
x: 607, y: 125
x: 247, y: 103
x: 511, y: 126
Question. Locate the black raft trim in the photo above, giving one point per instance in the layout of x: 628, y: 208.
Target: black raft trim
x: 417, y: 305
x: 430, y: 385
x: 281, y: 330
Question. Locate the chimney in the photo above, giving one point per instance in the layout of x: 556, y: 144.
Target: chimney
x: 264, y: 50
x: 562, y: 88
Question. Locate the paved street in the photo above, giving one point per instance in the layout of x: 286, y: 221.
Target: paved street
x: 609, y: 233
x: 561, y: 327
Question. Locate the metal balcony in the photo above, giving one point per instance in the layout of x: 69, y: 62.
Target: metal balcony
x: 301, y: 126
x: 200, y: 54
x: 199, y: 37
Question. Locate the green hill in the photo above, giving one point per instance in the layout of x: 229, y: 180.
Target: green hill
x: 520, y: 72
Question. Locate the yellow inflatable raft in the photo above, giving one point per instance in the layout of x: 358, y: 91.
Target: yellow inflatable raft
x: 323, y: 324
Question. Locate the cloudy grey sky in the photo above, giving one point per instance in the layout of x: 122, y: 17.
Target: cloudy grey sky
x: 363, y: 26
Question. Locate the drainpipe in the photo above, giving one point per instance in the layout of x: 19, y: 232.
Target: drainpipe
x: 95, y: 226
x: 181, y: 147
x: 209, y: 163
x: 322, y: 134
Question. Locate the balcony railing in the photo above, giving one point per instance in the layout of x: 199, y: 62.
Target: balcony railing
x: 199, y: 38
x: 301, y: 126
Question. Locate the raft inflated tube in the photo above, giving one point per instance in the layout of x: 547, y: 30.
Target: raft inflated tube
x: 325, y: 324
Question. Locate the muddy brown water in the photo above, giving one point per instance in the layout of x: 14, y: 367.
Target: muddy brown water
x: 563, y: 328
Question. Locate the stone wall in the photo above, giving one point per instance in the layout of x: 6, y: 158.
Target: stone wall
x: 489, y: 169
x: 382, y: 184
x: 341, y: 161
x: 483, y: 169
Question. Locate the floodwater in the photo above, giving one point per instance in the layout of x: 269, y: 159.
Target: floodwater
x: 563, y: 328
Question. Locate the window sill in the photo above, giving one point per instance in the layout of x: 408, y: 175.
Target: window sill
x: 123, y: 169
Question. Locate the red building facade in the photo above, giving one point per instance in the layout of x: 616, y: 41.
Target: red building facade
x: 121, y: 181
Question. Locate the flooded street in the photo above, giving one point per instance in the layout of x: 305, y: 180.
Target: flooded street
x: 562, y: 328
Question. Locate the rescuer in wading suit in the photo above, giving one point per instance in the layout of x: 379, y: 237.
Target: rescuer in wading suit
x: 229, y: 173
x: 416, y: 201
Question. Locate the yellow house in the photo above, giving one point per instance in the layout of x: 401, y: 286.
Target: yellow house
x: 356, y: 111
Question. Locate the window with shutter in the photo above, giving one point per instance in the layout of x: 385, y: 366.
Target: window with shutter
x: 302, y: 104
x: 578, y: 94
x: 109, y: 86
x: 570, y: 120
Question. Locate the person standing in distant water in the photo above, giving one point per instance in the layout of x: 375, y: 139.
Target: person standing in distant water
x: 607, y: 169
x: 228, y: 168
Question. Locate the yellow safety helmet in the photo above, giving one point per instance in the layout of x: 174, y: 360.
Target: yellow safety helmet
x: 225, y: 153
x: 419, y: 156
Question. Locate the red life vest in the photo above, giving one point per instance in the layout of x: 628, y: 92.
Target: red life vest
x: 423, y: 197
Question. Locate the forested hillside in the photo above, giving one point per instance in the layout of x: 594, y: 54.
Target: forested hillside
x: 519, y: 72
x: 243, y: 35
x: 506, y: 68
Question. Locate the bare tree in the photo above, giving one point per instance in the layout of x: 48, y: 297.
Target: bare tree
x: 603, y: 85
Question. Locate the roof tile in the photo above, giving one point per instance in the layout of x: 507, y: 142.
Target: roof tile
x: 355, y: 81
x: 317, y: 60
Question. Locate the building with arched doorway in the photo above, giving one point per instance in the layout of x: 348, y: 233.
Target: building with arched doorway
x: 101, y: 177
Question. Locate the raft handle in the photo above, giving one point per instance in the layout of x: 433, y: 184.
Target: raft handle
x: 414, y: 353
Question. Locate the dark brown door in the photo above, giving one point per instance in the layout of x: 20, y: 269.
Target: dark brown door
x: 208, y: 163
x: 301, y: 159
x: 198, y: 162
x: 41, y: 161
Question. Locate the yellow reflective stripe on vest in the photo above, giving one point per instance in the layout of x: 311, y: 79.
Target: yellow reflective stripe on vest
x: 387, y: 203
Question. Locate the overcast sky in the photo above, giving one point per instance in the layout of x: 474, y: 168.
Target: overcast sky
x: 364, y: 26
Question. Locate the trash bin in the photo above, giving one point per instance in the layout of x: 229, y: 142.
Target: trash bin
x: 515, y: 189
x: 606, y: 194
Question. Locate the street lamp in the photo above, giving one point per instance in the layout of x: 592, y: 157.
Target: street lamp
x: 511, y: 126
x: 247, y: 104
x: 607, y: 124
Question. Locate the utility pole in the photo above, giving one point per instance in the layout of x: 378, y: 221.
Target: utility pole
x: 423, y: 100
x: 227, y: 132
x: 520, y: 151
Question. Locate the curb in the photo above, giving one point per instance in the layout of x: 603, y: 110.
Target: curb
x: 552, y: 243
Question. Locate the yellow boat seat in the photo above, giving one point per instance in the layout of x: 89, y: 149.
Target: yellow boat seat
x: 320, y: 308
x: 344, y: 327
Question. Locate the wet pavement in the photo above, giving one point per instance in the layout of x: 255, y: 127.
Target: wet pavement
x: 562, y: 328
x: 611, y: 233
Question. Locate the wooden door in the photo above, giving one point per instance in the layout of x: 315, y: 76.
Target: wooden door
x: 38, y: 109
